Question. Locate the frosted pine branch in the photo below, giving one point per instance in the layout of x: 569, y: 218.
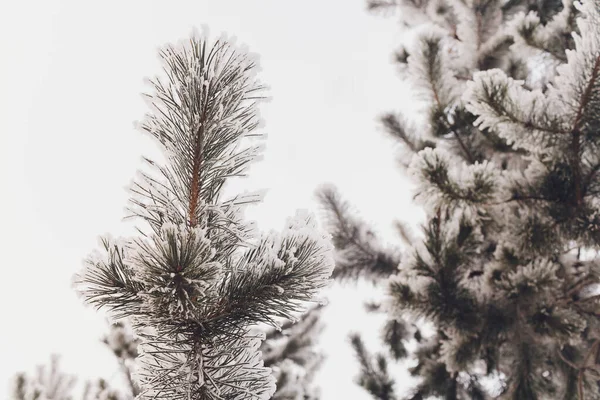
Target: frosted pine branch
x: 195, y: 283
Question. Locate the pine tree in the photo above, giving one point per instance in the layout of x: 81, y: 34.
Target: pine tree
x: 198, y: 277
x: 505, y: 272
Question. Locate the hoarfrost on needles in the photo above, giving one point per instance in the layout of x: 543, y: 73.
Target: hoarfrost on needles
x: 194, y: 284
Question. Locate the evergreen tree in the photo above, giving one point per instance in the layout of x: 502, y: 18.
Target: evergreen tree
x: 505, y: 271
x: 198, y: 278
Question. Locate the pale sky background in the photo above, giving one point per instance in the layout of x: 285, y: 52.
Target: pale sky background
x: 71, y: 75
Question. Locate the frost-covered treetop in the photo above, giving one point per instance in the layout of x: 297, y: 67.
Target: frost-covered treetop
x: 200, y: 277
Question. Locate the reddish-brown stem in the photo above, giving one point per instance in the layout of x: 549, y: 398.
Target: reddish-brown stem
x: 479, y: 29
x: 196, y: 185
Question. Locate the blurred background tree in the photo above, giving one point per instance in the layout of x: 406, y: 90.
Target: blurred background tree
x: 496, y: 296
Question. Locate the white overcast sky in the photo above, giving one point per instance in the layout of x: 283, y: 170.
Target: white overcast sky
x: 71, y: 74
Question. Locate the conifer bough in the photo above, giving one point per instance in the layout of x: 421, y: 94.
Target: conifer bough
x: 198, y: 276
